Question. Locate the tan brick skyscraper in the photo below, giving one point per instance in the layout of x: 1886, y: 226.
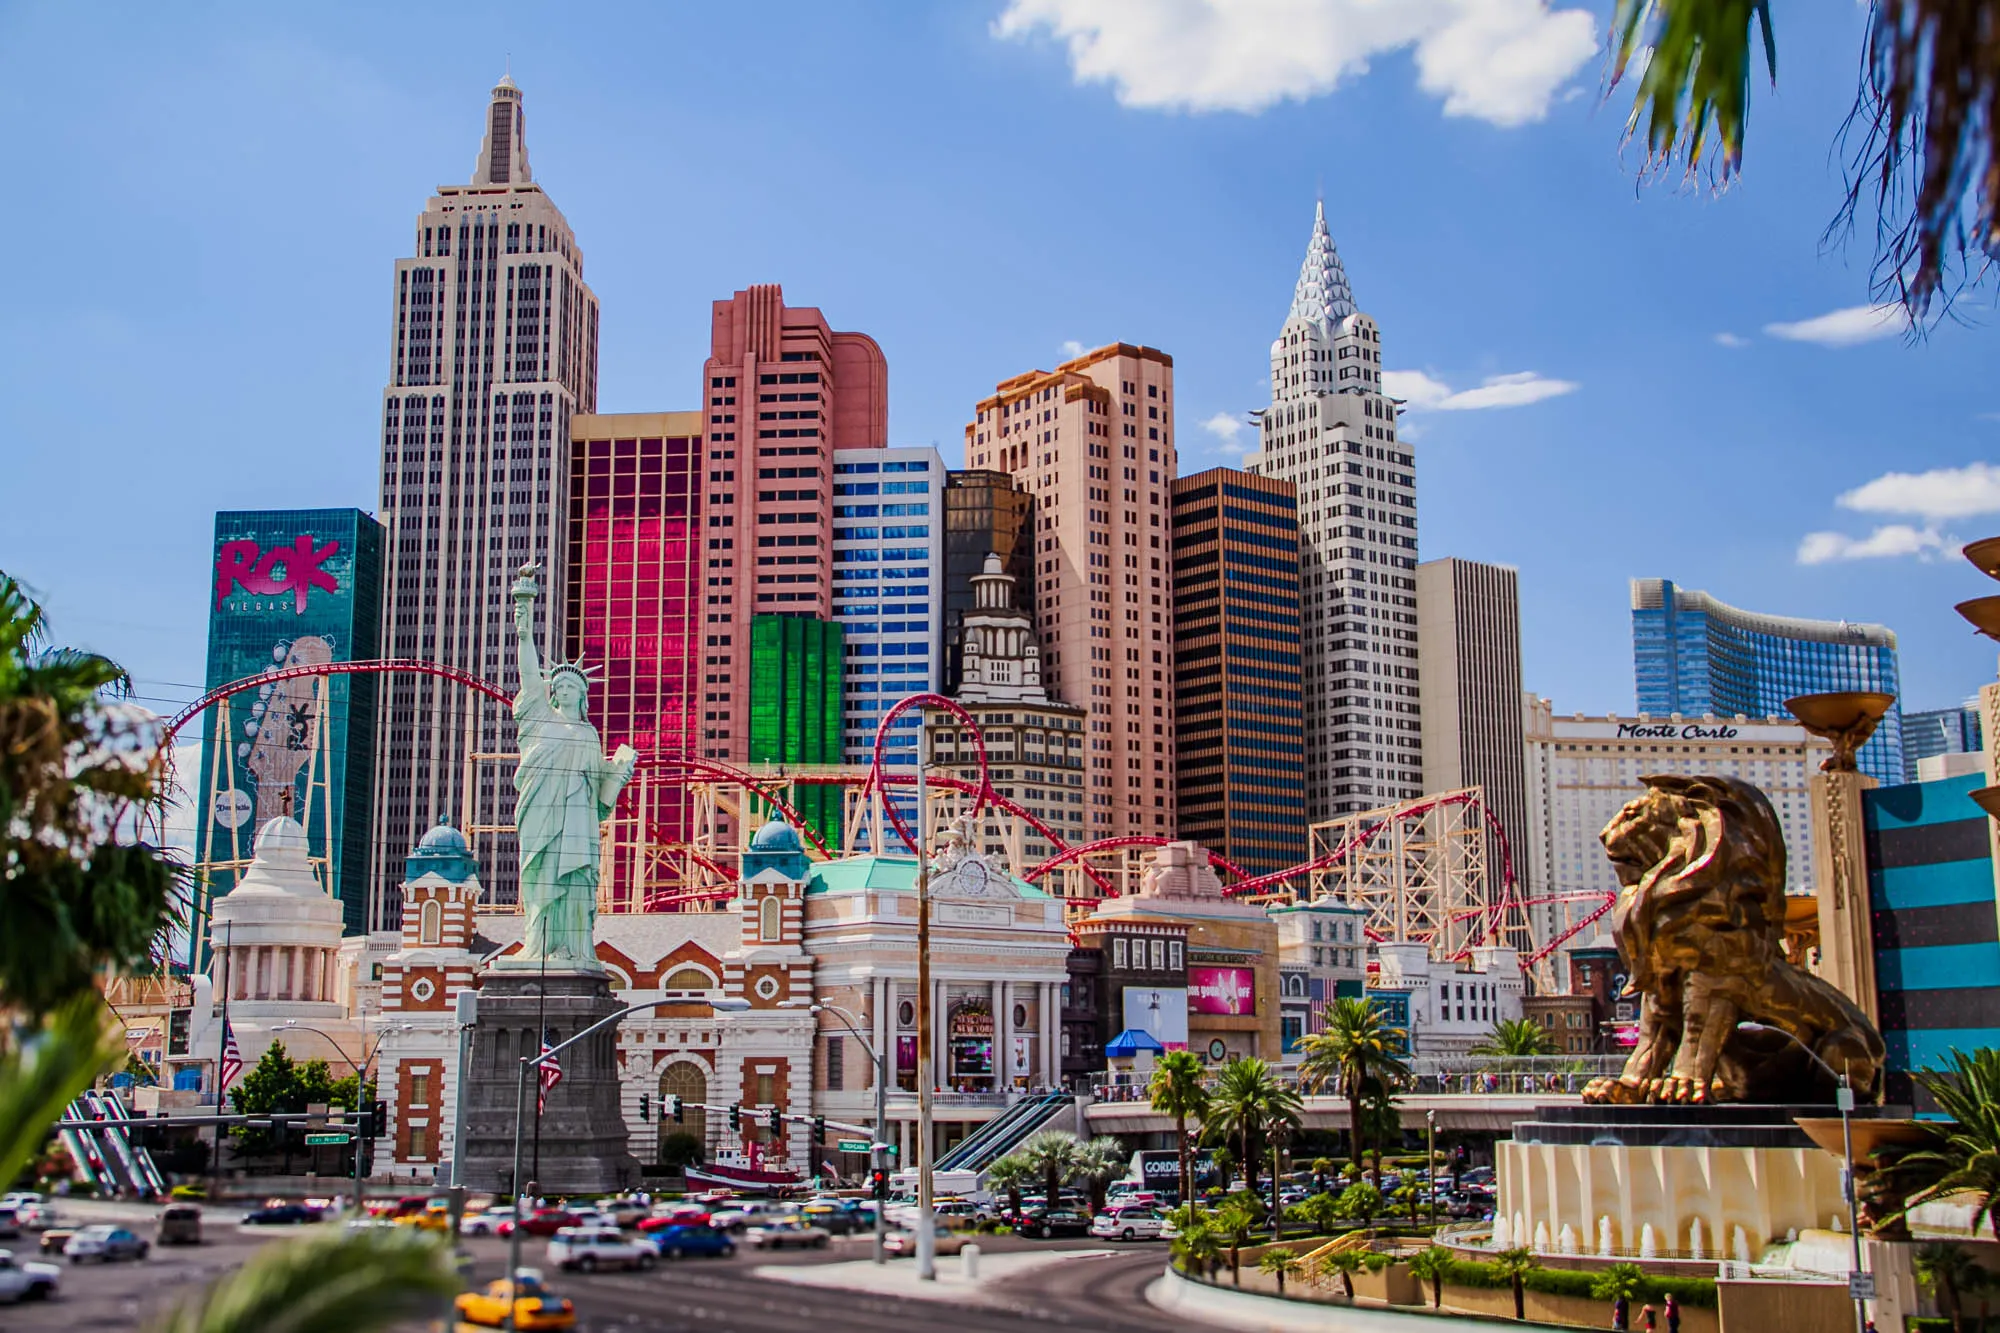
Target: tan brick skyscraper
x: 1093, y: 442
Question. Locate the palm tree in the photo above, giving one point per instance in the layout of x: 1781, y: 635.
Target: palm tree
x: 1358, y: 1052
x: 1923, y: 121
x: 1517, y: 1037
x: 1411, y: 1196
x: 1232, y: 1223
x: 1344, y: 1262
x: 1618, y: 1280
x: 1950, y: 1272
x: 1177, y: 1089
x: 1098, y: 1163
x: 1319, y: 1213
x: 1011, y: 1175
x: 1280, y: 1263
x: 1198, y: 1245
x: 1055, y: 1155
x: 1960, y: 1156
x: 1249, y: 1101
x: 1360, y: 1202
x: 1515, y: 1265
x: 1433, y: 1265
x: 330, y: 1284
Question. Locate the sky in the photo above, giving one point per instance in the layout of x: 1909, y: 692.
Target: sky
x: 1606, y: 380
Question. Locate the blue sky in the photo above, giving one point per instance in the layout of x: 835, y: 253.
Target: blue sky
x: 208, y: 201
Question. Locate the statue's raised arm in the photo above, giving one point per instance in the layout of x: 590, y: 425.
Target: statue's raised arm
x: 525, y: 591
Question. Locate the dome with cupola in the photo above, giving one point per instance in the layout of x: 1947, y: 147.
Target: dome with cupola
x: 443, y: 852
x: 776, y: 846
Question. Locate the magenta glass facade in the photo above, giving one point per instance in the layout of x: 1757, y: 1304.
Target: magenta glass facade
x: 635, y: 612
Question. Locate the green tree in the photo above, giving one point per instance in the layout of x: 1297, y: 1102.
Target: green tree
x: 1433, y: 1265
x: 1232, y: 1224
x: 1358, y: 1053
x: 337, y: 1283
x: 1919, y: 140
x: 1618, y: 1280
x: 1360, y: 1202
x: 1198, y: 1246
x: 1517, y: 1037
x: 1099, y: 1162
x: 1178, y: 1088
x: 680, y: 1149
x: 1344, y: 1262
x: 1055, y: 1155
x: 1959, y: 1156
x: 1320, y: 1213
x: 1411, y: 1197
x: 1250, y: 1104
x: 1280, y: 1263
x: 1515, y: 1265
x: 1950, y: 1272
x: 1012, y: 1175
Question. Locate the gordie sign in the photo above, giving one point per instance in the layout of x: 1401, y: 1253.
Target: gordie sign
x: 295, y: 569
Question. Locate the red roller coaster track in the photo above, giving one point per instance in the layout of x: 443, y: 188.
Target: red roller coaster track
x: 876, y: 777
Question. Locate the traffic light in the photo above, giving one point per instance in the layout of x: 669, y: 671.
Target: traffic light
x: 878, y: 1184
x: 674, y: 1105
x: 777, y: 1123
x: 819, y: 1129
x: 645, y: 1107
x: 378, y: 1120
x: 735, y: 1118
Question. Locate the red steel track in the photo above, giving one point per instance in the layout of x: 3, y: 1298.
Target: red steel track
x: 876, y: 778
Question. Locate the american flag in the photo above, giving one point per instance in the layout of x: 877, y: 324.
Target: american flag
x: 232, y: 1057
x: 550, y: 1076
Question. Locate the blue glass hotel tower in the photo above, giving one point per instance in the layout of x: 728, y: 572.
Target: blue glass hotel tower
x: 1697, y: 656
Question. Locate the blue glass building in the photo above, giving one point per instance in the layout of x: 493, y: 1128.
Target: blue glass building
x: 888, y: 587
x: 1935, y: 731
x: 1696, y: 656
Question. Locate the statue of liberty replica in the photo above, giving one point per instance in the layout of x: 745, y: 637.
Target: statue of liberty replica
x: 571, y: 1136
x: 567, y: 788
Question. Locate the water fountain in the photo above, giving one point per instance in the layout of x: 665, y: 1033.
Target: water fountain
x: 1649, y: 1244
x: 1604, y: 1236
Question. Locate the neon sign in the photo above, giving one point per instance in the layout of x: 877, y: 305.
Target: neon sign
x: 295, y: 569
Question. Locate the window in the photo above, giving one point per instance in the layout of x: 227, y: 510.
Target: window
x: 420, y: 1088
x: 1118, y: 958
x: 1174, y: 955
x: 1159, y: 955
x: 430, y: 922
x: 420, y: 1141
x: 688, y: 978
x: 836, y: 1063
x: 770, y: 921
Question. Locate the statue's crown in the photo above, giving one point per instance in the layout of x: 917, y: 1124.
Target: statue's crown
x: 576, y: 668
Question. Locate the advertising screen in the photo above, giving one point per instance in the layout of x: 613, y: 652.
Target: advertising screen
x: 1159, y: 1011
x: 1229, y: 992
x: 287, y: 588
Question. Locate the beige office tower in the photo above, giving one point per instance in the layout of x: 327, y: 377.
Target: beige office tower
x: 1331, y: 431
x: 493, y: 349
x: 1469, y: 640
x: 1093, y: 442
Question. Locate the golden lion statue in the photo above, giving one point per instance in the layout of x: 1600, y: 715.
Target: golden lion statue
x: 1700, y: 922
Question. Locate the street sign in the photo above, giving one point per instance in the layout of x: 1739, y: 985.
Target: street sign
x: 851, y: 1145
x: 324, y: 1140
x: 1861, y: 1286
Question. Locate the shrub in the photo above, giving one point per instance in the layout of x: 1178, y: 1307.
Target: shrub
x: 1690, y: 1291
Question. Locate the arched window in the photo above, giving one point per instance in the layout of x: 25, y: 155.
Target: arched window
x: 430, y: 923
x: 770, y: 921
x: 689, y: 978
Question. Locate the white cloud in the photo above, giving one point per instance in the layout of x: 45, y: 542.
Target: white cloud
x: 1420, y: 392
x: 1887, y: 542
x: 1941, y: 493
x: 1845, y: 328
x: 1732, y: 340
x: 1226, y: 428
x: 1501, y: 61
x: 1072, y: 349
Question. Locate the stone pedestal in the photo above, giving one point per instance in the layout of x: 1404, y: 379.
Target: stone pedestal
x: 1840, y: 870
x: 584, y: 1143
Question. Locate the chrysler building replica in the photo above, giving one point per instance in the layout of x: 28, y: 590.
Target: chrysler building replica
x: 493, y: 348
x: 1331, y: 430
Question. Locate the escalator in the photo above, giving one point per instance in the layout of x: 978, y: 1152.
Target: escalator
x: 111, y: 1158
x: 996, y: 1138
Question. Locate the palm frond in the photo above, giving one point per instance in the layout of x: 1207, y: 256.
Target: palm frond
x: 1694, y: 91
x: 42, y: 1075
x: 342, y: 1283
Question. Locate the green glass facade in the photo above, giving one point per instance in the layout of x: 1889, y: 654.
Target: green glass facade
x: 293, y: 587
x: 795, y: 677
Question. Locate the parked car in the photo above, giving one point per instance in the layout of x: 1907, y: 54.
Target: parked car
x: 55, y: 1238
x: 1127, y: 1224
x: 959, y: 1213
x: 597, y: 1217
x: 680, y: 1240
x: 542, y: 1222
x: 626, y: 1212
x: 10, y: 1222
x: 842, y: 1217
x: 535, y: 1306
x: 486, y: 1223
x: 780, y: 1233
x: 753, y: 1212
x: 27, y: 1281
x: 902, y: 1241
x: 585, y: 1249
x: 179, y: 1224
x: 104, y: 1244
x: 674, y: 1215
x: 1047, y: 1224
x: 281, y: 1215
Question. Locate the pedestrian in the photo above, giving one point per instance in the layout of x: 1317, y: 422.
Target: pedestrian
x: 1647, y: 1321
x: 1621, y: 1313
x: 1673, y: 1314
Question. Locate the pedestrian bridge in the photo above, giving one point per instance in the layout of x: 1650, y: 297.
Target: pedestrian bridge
x: 1485, y: 1112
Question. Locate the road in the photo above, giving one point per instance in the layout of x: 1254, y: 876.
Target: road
x: 1090, y: 1294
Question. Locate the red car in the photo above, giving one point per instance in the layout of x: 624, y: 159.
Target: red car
x: 683, y: 1215
x: 543, y: 1222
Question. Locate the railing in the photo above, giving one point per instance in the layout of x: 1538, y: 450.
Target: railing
x: 1441, y: 1075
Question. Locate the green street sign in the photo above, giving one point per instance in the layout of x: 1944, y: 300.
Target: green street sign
x: 324, y: 1140
x: 852, y: 1145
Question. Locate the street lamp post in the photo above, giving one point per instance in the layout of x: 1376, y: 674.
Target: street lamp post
x: 361, y: 1088
x: 878, y: 1149
x: 1844, y: 1098
x: 926, y: 1221
x: 723, y: 1004
x: 1431, y: 1166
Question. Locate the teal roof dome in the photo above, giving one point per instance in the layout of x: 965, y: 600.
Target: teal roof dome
x: 777, y: 836
x: 444, y: 839
x: 442, y: 851
x: 776, y: 846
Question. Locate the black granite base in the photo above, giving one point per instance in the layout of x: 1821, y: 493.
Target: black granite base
x: 583, y: 1142
x: 1727, y: 1125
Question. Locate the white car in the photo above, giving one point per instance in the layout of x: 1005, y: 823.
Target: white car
x: 488, y: 1222
x: 952, y: 1214
x: 1128, y: 1223
x: 27, y: 1281
x: 105, y: 1244
x: 596, y: 1217
x: 587, y: 1249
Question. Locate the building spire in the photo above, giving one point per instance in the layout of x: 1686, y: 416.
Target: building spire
x: 1322, y: 295
x: 503, y: 155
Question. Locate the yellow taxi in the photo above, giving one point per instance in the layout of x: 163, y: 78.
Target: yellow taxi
x: 433, y: 1216
x: 535, y: 1306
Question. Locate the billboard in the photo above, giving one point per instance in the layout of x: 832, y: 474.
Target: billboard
x: 1160, y: 1012
x: 1229, y: 992
x: 292, y: 587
